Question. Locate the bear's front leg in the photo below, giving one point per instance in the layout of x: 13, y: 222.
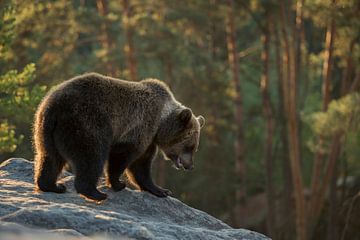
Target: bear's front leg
x: 140, y: 173
x: 119, y: 158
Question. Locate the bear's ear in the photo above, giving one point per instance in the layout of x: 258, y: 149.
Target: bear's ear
x: 201, y: 121
x: 185, y: 116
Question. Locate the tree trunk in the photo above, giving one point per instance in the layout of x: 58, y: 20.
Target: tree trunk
x: 345, y: 81
x: 329, y: 174
x: 355, y: 86
x: 298, y: 74
x: 269, y: 118
x: 106, y: 40
x: 294, y: 153
x: 328, y: 62
x: 304, y: 78
x: 287, y: 214
x: 240, y: 192
x: 332, y: 224
x: 318, y: 190
x: 297, y: 40
x: 129, y: 48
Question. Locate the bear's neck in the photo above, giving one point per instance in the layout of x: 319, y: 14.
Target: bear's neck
x: 168, y: 108
x: 167, y: 120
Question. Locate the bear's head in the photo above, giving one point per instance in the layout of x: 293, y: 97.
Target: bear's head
x: 180, y: 137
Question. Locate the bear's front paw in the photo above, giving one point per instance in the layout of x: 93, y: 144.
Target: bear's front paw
x: 93, y: 194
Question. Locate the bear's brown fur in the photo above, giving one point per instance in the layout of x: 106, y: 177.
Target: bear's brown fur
x: 92, y: 119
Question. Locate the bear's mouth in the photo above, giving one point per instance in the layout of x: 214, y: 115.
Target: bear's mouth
x: 178, y: 163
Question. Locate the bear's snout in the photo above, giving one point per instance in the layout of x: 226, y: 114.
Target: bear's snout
x: 186, y: 161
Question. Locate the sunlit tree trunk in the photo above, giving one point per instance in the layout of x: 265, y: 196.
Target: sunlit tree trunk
x: 240, y: 192
x: 332, y: 229
x: 332, y: 224
x: 129, y: 48
x: 331, y: 170
x: 292, y: 123
x: 106, y: 40
x: 269, y: 118
x: 328, y: 62
x: 318, y: 187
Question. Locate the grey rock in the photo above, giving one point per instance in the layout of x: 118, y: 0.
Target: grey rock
x: 127, y: 214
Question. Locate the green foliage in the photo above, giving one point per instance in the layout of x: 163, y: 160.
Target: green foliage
x: 8, y: 141
x: 342, y: 116
x: 18, y: 99
x: 17, y: 102
x: 7, y: 20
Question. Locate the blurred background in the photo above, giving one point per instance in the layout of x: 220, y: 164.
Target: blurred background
x: 277, y: 81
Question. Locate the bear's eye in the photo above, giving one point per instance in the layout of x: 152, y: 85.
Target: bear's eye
x: 191, y: 133
x: 187, y: 136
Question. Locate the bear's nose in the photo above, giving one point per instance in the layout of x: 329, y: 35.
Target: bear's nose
x: 191, y: 167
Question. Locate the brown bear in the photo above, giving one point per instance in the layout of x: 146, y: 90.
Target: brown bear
x: 92, y: 121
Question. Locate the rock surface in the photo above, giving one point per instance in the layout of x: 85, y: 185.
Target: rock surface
x: 127, y: 214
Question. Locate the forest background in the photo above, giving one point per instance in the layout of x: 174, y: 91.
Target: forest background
x: 277, y: 81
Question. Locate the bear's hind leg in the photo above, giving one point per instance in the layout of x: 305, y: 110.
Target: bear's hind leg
x: 47, y: 170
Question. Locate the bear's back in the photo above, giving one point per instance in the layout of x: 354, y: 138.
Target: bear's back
x: 92, y: 96
x: 97, y: 85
